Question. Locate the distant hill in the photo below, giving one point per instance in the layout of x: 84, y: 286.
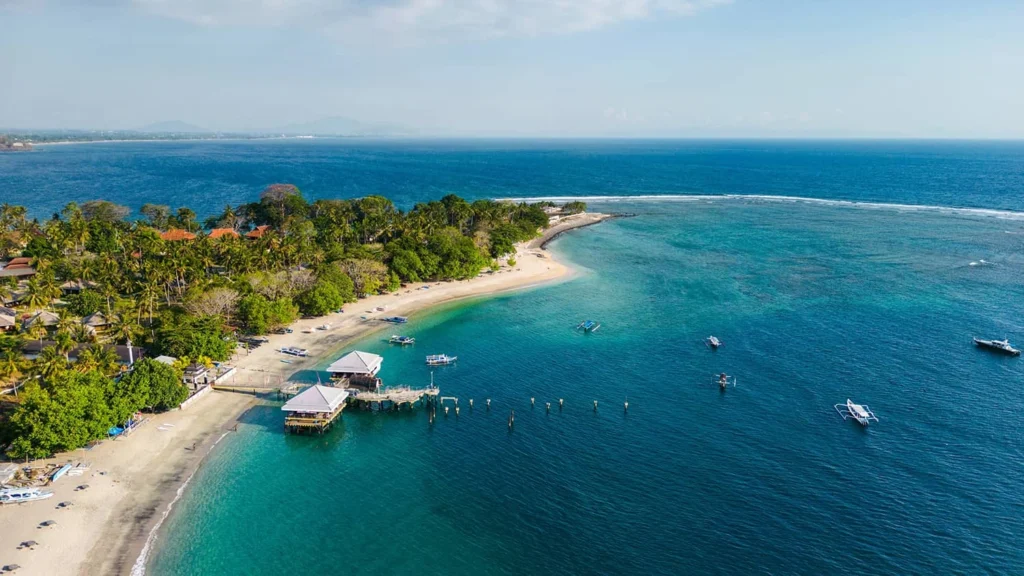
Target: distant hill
x: 341, y: 126
x: 175, y: 127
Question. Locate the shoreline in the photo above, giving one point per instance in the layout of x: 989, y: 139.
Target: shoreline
x: 134, y: 482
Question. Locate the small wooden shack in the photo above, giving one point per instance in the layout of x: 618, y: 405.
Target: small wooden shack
x: 357, y: 370
x: 314, y: 409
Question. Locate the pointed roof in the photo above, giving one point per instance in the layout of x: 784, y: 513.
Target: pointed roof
x: 7, y: 321
x: 221, y: 232
x: 258, y: 232
x: 95, y: 319
x: 357, y: 363
x: 46, y: 317
x: 175, y: 234
x: 320, y: 399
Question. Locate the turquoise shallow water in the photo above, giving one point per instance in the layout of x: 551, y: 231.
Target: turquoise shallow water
x: 815, y: 304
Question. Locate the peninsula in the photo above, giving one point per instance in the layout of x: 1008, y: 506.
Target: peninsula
x: 177, y: 290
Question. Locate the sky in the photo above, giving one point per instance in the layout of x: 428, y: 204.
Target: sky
x: 553, y: 68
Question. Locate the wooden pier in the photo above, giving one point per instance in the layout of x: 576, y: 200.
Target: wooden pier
x: 394, y: 397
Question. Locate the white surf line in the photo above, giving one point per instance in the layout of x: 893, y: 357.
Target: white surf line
x: 139, y: 568
x: 991, y: 212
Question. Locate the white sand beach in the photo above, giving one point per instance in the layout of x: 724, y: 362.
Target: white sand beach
x: 132, y: 480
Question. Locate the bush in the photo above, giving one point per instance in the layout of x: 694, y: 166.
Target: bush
x: 323, y: 298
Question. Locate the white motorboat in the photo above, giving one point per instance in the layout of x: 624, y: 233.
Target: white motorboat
x: 997, y: 345
x: 441, y: 360
x: 859, y: 412
x: 21, y: 495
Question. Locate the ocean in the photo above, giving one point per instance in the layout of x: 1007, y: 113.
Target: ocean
x: 208, y: 175
x: 815, y: 301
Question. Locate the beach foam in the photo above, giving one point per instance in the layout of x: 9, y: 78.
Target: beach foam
x: 987, y: 212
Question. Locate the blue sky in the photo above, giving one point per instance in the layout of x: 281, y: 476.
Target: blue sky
x: 696, y: 68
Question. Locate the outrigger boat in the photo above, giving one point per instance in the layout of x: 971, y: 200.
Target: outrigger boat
x: 997, y: 345
x: 858, y: 412
x: 396, y: 319
x: 713, y: 342
x: 724, y: 380
x: 20, y: 495
x: 403, y: 340
x: 441, y: 360
x: 294, y: 351
x: 588, y: 326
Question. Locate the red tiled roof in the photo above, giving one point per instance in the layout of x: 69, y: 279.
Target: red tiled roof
x: 220, y: 232
x: 175, y: 234
x: 19, y: 260
x: 258, y: 232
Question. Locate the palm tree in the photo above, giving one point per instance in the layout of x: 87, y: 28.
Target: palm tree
x: 107, y: 360
x: 124, y: 328
x: 36, y: 296
x: 50, y: 363
x: 87, y: 360
x: 11, y: 365
x: 64, y: 344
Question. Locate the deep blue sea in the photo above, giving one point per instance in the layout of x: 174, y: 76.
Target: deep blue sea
x: 207, y: 175
x: 816, y: 302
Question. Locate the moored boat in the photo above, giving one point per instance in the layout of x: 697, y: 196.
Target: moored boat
x: 997, y: 345
x: 20, y: 495
x: 859, y: 412
x: 588, y: 326
x: 440, y: 360
x: 402, y: 340
x: 713, y: 342
x: 292, y: 351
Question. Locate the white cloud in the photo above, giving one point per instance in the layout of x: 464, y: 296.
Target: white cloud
x: 437, y: 20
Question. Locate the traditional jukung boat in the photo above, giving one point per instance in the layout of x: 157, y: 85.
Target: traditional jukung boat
x: 859, y: 412
x: 724, y: 381
x: 713, y: 342
x: 20, y: 495
x: 396, y: 319
x: 291, y: 351
x: 588, y: 326
x: 441, y: 360
x: 997, y: 345
x: 402, y: 340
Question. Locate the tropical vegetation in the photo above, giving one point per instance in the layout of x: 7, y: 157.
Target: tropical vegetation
x: 170, y: 283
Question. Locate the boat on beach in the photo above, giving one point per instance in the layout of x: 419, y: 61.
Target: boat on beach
x: 713, y: 342
x: 441, y: 360
x: 21, y: 495
x: 396, y: 319
x: 859, y: 412
x: 402, y: 340
x: 292, y: 351
x: 997, y: 345
x: 588, y: 326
